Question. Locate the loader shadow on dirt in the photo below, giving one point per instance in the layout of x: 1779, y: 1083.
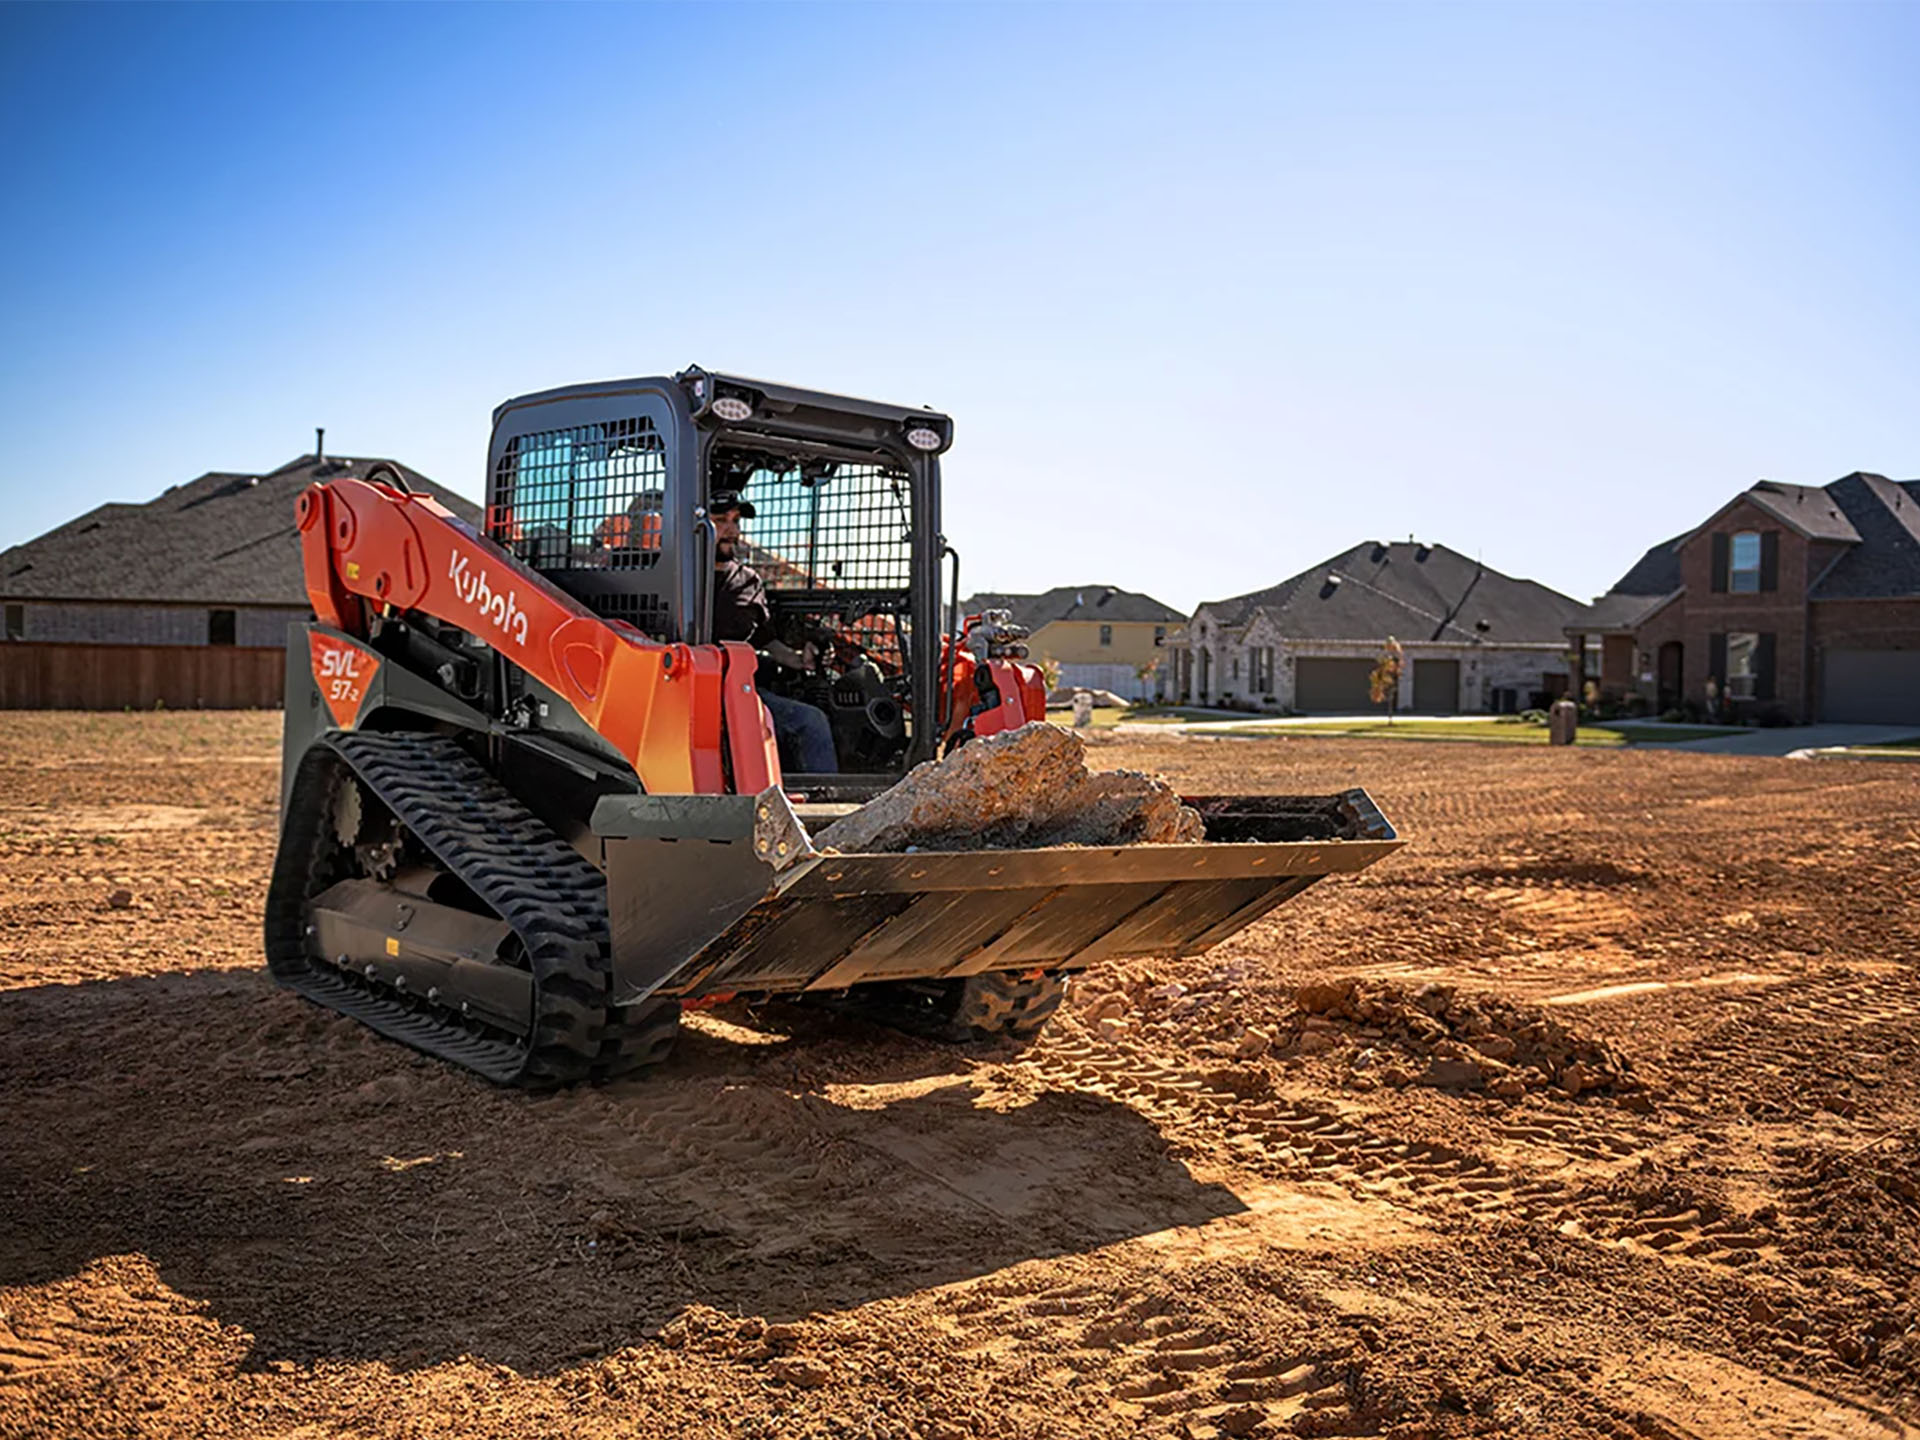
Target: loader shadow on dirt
x: 339, y: 1197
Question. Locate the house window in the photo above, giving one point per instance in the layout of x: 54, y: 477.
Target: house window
x: 1159, y: 634
x: 16, y: 622
x: 220, y: 626
x: 1743, y: 567
x: 1743, y: 665
x: 1106, y: 634
x: 1236, y: 667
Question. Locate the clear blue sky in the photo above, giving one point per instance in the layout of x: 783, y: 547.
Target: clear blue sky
x: 1212, y: 292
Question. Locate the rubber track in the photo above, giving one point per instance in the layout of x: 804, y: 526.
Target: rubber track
x: 551, y: 896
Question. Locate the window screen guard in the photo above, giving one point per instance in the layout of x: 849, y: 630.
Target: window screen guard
x: 590, y: 497
x: 837, y: 540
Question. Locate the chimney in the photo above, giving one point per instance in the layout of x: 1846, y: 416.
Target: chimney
x: 319, y: 445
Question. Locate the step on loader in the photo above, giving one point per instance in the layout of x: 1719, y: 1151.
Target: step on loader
x: 531, y: 808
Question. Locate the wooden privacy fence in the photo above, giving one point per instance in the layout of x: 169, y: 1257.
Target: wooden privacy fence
x: 36, y: 676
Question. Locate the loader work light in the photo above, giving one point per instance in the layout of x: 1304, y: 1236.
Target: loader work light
x: 732, y: 407
x: 920, y: 437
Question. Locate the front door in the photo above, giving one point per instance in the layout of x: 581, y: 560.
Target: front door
x: 1670, y: 673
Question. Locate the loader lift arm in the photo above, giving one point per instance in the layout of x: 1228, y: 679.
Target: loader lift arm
x: 686, y: 717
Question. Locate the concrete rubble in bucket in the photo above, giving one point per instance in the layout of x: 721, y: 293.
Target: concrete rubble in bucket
x: 1019, y: 790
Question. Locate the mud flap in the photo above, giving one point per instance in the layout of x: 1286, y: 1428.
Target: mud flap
x: 725, y: 893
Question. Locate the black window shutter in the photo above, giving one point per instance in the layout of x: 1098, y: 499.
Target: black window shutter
x: 1769, y: 562
x: 1763, y: 668
x: 1719, y: 563
x: 1717, y: 660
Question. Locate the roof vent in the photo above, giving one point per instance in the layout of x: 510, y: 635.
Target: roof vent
x: 1483, y: 626
x: 319, y: 445
x: 1329, y: 585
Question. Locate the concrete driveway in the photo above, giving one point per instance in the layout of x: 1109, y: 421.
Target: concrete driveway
x: 1788, y: 739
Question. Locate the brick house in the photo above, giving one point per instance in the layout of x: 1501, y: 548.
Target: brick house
x: 1475, y: 640
x: 183, y: 600
x: 1101, y: 636
x: 1799, y: 602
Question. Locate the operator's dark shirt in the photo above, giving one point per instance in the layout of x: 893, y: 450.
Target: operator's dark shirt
x: 740, y: 608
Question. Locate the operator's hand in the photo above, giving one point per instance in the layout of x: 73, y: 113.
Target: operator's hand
x: 782, y: 653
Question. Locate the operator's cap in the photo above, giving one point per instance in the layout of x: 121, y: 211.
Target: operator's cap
x: 722, y: 501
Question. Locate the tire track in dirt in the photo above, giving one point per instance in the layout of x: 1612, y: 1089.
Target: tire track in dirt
x: 1810, y: 1045
x: 1160, y: 1356
x: 1315, y: 1142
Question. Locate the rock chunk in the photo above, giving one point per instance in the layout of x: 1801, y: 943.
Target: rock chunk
x: 1019, y: 790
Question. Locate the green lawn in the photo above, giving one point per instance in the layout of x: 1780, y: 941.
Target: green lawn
x: 1105, y: 715
x: 1172, y: 714
x: 1641, y: 734
x: 1481, y: 730
x: 1510, y: 732
x: 1502, y: 731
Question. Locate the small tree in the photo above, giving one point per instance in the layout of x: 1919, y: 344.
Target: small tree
x: 1384, y: 683
x: 1144, y: 673
x: 1049, y: 672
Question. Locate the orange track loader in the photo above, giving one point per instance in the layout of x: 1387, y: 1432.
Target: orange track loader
x: 530, y: 810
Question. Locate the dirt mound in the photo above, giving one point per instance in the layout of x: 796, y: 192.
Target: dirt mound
x: 1470, y: 1041
x: 1018, y: 790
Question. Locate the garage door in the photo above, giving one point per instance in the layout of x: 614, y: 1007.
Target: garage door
x: 1872, y: 687
x: 1436, y: 686
x: 1337, y: 686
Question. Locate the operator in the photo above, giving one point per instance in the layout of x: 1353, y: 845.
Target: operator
x: 741, y: 612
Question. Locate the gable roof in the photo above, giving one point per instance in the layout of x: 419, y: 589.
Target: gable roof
x: 1105, y: 603
x: 226, y: 538
x: 1810, y: 509
x: 1415, y: 592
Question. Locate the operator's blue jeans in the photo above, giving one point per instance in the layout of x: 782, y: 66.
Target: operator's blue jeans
x: 806, y: 733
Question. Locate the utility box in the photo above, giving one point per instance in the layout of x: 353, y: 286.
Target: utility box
x: 1082, y: 709
x: 1563, y: 719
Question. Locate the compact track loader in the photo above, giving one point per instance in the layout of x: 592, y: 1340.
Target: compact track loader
x: 530, y: 810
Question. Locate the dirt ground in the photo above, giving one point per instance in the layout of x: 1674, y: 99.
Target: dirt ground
x: 1599, y: 1118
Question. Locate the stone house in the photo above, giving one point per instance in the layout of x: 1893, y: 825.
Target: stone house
x: 1795, y: 602
x: 1102, y: 637
x: 1475, y: 640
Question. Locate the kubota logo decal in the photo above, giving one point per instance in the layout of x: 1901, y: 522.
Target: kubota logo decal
x: 343, y: 671
x: 499, y: 609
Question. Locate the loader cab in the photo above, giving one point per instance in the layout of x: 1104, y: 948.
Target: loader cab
x: 603, y: 489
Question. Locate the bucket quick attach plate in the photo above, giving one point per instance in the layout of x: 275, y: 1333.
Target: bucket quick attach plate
x: 726, y: 893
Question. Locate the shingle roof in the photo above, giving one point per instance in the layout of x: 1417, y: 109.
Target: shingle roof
x: 1617, y: 612
x: 1655, y: 573
x: 1107, y: 603
x: 1653, y: 580
x: 1810, y: 509
x: 1886, y: 516
x: 223, y: 539
x: 1876, y: 518
x: 1414, y: 592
